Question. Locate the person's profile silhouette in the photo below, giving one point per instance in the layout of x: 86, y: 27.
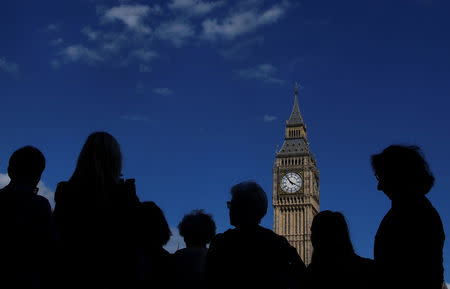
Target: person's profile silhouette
x: 251, y: 256
x: 409, y: 241
x: 27, y: 237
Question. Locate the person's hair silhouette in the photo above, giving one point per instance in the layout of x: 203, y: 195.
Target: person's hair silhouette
x: 27, y: 237
x: 154, y: 229
x: 95, y: 214
x: 409, y: 242
x: 334, y: 262
x: 99, y: 163
x: 330, y: 236
x: 26, y: 165
x: 197, y: 229
x: 248, y: 204
x: 154, y: 233
x: 402, y: 170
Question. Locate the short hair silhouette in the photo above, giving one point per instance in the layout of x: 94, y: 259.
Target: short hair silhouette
x: 330, y: 236
x: 99, y: 162
x: 153, y: 224
x: 403, y: 167
x: 197, y: 228
x: 248, y: 204
x: 26, y: 164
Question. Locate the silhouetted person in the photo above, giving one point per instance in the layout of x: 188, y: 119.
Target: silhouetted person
x: 410, y: 239
x: 26, y: 238
x: 251, y: 256
x: 154, y: 233
x: 95, y: 215
x: 334, y: 263
x: 197, y: 229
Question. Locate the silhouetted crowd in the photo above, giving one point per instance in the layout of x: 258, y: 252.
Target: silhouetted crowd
x: 100, y: 235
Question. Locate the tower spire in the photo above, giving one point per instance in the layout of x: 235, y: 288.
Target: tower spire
x: 296, y: 117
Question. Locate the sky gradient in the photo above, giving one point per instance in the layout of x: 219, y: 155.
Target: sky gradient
x: 197, y: 94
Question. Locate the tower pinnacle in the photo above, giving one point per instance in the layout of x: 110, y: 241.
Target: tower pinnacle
x: 296, y: 118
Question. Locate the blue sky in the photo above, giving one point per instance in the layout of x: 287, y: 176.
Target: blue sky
x: 197, y: 94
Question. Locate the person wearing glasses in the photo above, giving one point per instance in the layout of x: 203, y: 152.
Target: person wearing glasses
x: 409, y: 242
x: 251, y: 256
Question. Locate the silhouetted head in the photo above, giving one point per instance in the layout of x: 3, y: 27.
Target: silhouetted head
x: 248, y: 204
x: 197, y: 229
x: 154, y: 230
x: 402, y: 172
x: 26, y: 166
x: 330, y: 237
x: 100, y: 161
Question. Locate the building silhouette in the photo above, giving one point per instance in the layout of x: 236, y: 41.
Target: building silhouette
x: 295, y: 186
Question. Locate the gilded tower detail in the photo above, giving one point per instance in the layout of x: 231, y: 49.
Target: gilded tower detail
x: 295, y: 186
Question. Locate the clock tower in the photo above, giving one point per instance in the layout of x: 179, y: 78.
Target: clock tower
x: 295, y: 186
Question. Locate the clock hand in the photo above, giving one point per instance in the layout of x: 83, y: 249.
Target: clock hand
x: 291, y: 181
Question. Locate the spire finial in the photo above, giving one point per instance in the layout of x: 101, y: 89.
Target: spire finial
x: 296, y: 88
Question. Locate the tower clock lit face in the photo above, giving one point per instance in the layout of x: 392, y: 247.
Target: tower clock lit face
x: 291, y: 182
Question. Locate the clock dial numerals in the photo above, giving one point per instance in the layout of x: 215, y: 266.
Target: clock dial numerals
x: 291, y: 182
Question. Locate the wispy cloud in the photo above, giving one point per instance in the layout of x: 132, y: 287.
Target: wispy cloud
x: 9, y: 67
x: 176, y: 32
x: 57, y: 41
x: 79, y: 53
x: 135, y: 117
x: 163, y: 91
x: 131, y: 15
x: 194, y: 7
x: 144, y: 54
x: 262, y: 72
x: 269, y: 118
x: 51, y: 28
x: 144, y: 68
x: 242, y: 49
x: 90, y: 33
x: 242, y: 22
x: 55, y: 63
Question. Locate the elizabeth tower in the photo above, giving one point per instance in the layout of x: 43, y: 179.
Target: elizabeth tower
x: 295, y: 186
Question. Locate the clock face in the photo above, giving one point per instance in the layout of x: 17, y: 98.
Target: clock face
x: 291, y: 182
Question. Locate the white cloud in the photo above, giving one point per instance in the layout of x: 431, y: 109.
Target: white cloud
x: 55, y: 63
x: 144, y: 68
x: 242, y: 49
x: 90, y: 33
x: 262, y: 72
x: 176, y: 242
x: 57, y: 41
x: 194, y: 7
x: 176, y: 32
x: 242, y: 22
x: 135, y: 117
x: 4, y: 180
x: 131, y: 15
x: 51, y: 28
x: 43, y: 189
x: 144, y: 54
x: 75, y: 53
x: 269, y: 118
x: 163, y: 91
x: 8, y: 67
